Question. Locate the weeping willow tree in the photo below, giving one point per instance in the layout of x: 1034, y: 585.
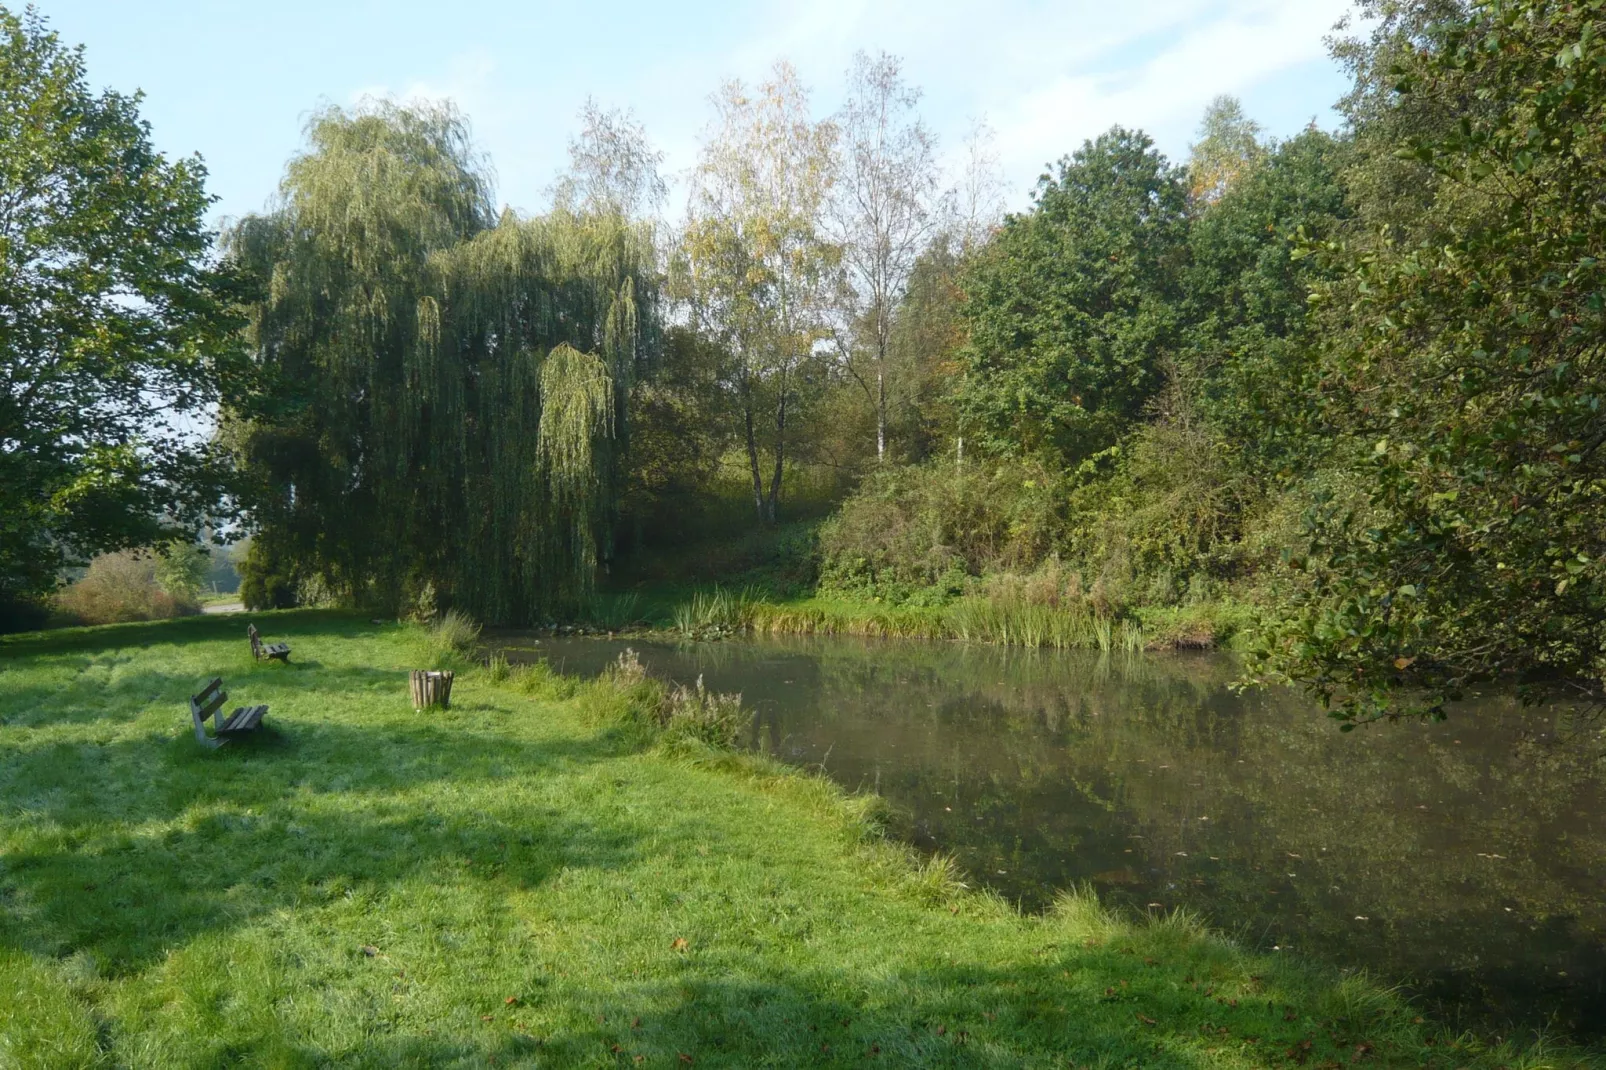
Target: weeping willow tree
x: 450, y: 385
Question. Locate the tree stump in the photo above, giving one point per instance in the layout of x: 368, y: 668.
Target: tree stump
x: 431, y: 688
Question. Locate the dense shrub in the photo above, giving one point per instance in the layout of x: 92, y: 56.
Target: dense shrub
x: 933, y: 525
x: 128, y: 586
x: 268, y: 580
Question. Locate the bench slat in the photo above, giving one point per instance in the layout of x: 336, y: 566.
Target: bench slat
x: 244, y: 719
x: 211, y: 706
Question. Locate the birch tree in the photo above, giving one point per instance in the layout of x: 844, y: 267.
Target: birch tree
x: 613, y: 167
x: 755, y: 265
x: 884, y: 213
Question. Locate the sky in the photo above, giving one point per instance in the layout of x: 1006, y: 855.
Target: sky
x: 236, y: 81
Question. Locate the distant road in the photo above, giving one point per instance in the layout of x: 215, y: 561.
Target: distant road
x: 224, y: 607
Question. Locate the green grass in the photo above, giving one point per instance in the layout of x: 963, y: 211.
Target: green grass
x: 712, y: 612
x: 535, y: 878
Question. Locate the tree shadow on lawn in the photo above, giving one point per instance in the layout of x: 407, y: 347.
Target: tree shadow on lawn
x: 1082, y: 1007
x: 301, y: 689
x: 310, y: 811
x: 1051, y: 1013
x: 282, y: 624
x: 107, y: 691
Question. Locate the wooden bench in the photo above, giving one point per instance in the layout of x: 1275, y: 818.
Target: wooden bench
x: 209, y: 703
x: 271, y: 651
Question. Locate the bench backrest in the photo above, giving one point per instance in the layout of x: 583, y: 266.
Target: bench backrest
x: 256, y: 640
x: 205, y: 704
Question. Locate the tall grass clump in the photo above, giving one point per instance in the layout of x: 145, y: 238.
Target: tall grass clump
x: 453, y: 634
x: 696, y: 714
x: 1045, y: 609
x: 614, y: 613
x: 677, y: 713
x: 539, y: 679
x: 937, y: 880
x: 715, y: 613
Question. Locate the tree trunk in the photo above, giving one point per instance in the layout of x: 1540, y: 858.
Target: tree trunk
x: 780, y: 456
x: 752, y: 453
x: 880, y: 411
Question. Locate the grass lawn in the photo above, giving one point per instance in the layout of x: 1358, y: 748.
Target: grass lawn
x: 530, y: 880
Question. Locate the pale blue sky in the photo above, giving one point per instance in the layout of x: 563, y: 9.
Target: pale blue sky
x: 235, y: 80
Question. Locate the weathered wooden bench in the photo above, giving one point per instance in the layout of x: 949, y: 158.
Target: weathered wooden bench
x: 271, y: 651
x: 209, y: 703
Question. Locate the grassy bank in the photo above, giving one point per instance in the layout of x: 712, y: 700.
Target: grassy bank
x: 542, y: 877
x: 715, y: 610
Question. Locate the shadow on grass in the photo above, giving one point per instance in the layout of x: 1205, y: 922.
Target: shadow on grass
x: 287, y: 623
x: 932, y: 1018
x: 1057, y: 1012
x: 129, y: 847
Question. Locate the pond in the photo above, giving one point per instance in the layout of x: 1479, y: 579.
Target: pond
x: 1466, y: 859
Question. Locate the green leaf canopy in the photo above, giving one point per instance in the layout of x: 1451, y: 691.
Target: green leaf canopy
x: 450, y: 385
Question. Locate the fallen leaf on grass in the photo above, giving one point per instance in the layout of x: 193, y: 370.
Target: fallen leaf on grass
x: 511, y: 1001
x: 685, y: 1058
x: 1146, y: 1020
x: 370, y: 950
x: 679, y: 944
x: 487, y: 1018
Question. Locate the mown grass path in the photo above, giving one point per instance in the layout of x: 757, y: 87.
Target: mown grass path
x: 526, y: 881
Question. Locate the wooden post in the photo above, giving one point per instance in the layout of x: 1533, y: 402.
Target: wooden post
x: 431, y: 688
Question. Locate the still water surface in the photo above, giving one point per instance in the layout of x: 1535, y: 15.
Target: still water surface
x: 1466, y: 859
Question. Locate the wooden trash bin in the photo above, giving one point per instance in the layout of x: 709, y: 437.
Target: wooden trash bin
x: 431, y: 688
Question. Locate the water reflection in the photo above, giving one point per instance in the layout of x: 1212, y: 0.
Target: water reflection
x: 1467, y: 858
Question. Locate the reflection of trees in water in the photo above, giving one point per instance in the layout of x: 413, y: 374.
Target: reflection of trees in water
x: 1060, y: 768
x: 1052, y: 768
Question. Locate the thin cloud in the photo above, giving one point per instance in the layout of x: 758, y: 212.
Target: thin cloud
x: 1046, y: 75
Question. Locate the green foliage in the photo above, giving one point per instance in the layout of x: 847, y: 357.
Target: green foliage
x: 268, y: 576
x: 182, y: 569
x: 924, y: 355
x: 1248, y: 366
x: 1470, y: 369
x: 1072, y: 306
x: 934, y: 525
x: 117, y: 332
x: 1228, y: 149
x: 682, y: 422
x: 450, y: 386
